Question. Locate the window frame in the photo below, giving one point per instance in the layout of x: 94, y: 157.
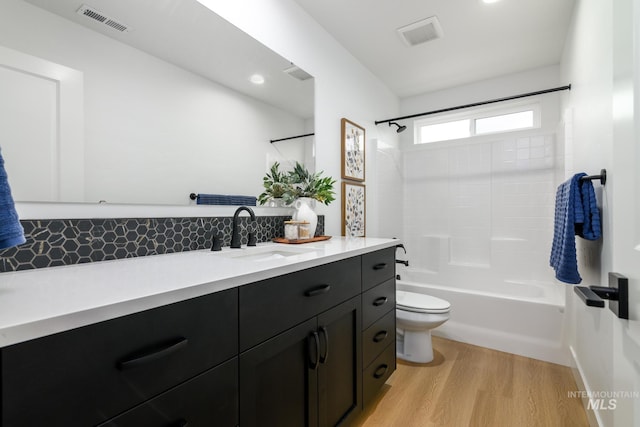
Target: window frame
x: 477, y: 113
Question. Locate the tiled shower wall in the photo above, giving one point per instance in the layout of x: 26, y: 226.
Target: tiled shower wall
x: 56, y: 242
x: 482, y: 210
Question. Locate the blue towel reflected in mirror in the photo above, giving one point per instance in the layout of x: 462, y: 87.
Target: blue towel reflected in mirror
x: 11, y: 231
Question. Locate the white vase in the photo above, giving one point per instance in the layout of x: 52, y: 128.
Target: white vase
x: 305, y: 212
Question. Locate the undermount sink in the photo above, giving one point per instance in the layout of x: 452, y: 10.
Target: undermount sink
x: 265, y: 253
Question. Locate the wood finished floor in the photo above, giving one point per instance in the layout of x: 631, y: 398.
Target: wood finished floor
x: 466, y: 385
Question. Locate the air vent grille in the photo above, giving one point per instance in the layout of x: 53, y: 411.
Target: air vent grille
x: 298, y: 73
x: 100, y: 17
x: 421, y: 32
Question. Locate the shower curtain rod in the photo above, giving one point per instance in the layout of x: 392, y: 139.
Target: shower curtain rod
x: 476, y: 104
x: 291, y: 137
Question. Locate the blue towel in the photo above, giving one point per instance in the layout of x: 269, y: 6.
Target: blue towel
x: 223, y: 199
x: 11, y: 231
x: 576, y: 214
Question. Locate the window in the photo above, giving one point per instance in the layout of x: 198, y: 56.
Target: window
x: 477, y: 122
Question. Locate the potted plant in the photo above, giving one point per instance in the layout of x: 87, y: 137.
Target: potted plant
x: 311, y: 185
x: 299, y: 188
x: 276, y: 185
x: 296, y: 184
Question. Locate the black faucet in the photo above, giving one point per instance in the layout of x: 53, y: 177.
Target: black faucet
x: 235, y: 235
x: 399, y: 261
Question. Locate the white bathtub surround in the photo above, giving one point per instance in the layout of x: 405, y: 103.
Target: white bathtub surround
x: 479, y: 236
x: 520, y: 318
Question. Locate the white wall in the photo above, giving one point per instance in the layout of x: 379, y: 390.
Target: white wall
x: 602, y: 132
x: 154, y: 132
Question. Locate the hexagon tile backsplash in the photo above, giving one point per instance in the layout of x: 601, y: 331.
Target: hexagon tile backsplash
x: 56, y: 242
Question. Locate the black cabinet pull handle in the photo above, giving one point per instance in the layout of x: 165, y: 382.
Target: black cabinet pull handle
x: 314, y: 350
x: 325, y: 334
x: 380, y: 336
x: 318, y: 290
x: 179, y: 423
x: 379, y: 373
x: 153, y: 354
x: 380, y: 266
x: 380, y: 301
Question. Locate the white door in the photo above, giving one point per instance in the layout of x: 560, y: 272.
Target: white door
x: 624, y: 200
x: 41, y: 128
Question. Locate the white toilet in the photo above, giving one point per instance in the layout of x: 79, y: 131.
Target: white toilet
x: 416, y: 315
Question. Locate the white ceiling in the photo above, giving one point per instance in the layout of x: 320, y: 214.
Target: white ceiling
x: 480, y: 40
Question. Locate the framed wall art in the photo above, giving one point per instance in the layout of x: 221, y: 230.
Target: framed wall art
x: 353, y: 209
x: 353, y: 146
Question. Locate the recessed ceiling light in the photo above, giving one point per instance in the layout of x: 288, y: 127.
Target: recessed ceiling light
x: 256, y: 79
x: 490, y: 1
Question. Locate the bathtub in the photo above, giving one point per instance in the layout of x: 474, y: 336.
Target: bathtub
x: 520, y: 317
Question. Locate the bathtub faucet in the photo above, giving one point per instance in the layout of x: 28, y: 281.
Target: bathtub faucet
x: 399, y: 261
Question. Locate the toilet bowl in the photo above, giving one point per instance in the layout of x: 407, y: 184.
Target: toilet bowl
x: 416, y: 315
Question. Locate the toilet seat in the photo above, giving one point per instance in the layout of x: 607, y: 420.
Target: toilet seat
x: 421, y: 303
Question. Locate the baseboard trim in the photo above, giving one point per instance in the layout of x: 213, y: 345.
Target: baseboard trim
x: 583, y: 385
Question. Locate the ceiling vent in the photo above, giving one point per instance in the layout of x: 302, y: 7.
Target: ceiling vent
x: 421, y: 32
x: 298, y: 73
x: 103, y: 19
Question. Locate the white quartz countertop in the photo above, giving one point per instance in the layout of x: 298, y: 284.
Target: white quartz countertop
x: 40, y: 302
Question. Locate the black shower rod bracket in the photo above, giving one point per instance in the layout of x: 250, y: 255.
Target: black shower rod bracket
x: 617, y: 293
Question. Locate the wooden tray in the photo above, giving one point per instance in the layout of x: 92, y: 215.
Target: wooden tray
x: 299, y: 241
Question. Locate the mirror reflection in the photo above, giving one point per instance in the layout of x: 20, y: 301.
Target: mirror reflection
x: 147, y: 105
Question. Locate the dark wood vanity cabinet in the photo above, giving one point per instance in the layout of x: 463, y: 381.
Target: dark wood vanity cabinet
x: 308, y: 370
x: 88, y: 375
x: 378, y: 320
x: 309, y: 348
x: 208, y: 399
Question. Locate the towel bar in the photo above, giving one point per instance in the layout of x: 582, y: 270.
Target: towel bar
x: 617, y: 293
x: 602, y: 177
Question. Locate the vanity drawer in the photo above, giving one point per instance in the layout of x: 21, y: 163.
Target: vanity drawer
x: 377, y: 301
x: 377, y: 337
x: 206, y: 400
x: 377, y: 267
x: 378, y: 372
x: 87, y: 375
x: 274, y: 305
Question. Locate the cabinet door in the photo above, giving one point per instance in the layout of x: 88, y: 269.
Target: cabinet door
x: 378, y: 372
x: 377, y: 302
x: 304, y: 293
x: 340, y: 371
x: 377, y: 267
x: 210, y: 399
x: 377, y: 337
x: 278, y: 380
x: 87, y: 375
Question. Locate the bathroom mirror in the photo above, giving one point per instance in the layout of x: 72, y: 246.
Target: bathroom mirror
x: 142, y: 101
